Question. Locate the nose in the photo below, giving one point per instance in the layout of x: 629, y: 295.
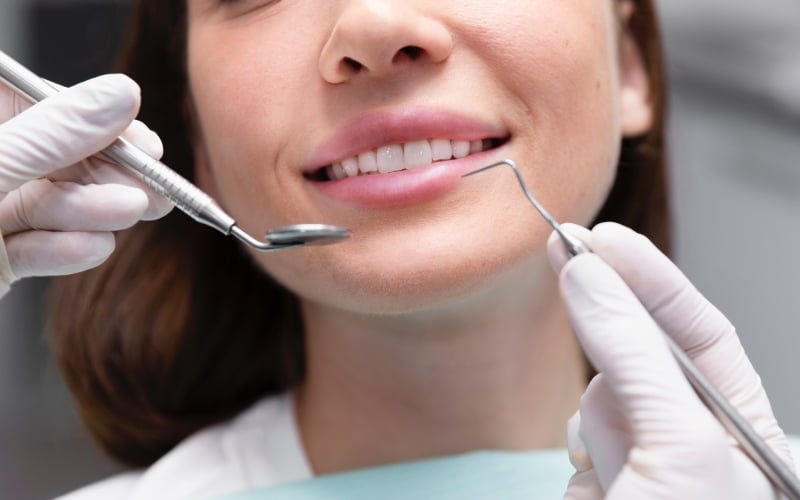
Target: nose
x: 379, y: 37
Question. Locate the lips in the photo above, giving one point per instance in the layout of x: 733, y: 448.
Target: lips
x: 400, y: 157
x: 408, y: 156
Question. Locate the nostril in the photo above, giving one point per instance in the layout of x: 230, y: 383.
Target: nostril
x: 352, y: 64
x: 411, y: 51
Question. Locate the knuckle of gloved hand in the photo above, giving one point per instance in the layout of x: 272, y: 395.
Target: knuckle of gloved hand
x: 14, y: 214
x: 18, y: 209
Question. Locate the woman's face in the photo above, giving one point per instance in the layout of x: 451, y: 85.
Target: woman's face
x: 299, y: 102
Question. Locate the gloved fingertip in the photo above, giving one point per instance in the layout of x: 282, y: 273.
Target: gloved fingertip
x: 115, y: 92
x: 87, y: 251
x: 145, y: 139
x: 99, y: 249
x: 45, y: 253
x: 156, y: 146
x: 556, y: 250
x: 584, y: 486
x: 94, y: 207
x: 132, y: 200
x: 123, y: 82
x: 82, y: 252
x: 576, y: 449
x: 158, y: 208
x: 610, y: 238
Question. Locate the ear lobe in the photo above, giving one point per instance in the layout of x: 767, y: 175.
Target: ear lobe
x: 636, y: 107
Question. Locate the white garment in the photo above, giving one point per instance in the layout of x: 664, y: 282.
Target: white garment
x: 259, y: 448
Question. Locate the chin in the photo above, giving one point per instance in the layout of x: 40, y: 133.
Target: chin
x: 394, y: 278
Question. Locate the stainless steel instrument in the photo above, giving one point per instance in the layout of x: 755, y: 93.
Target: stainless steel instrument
x: 165, y: 181
x: 781, y: 476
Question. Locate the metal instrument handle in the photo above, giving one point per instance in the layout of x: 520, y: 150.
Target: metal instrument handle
x: 752, y: 444
x: 168, y: 183
x: 155, y: 174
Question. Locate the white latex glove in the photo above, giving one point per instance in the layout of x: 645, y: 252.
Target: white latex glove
x: 57, y: 208
x: 641, y: 432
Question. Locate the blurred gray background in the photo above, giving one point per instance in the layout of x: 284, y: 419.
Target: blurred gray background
x: 735, y: 134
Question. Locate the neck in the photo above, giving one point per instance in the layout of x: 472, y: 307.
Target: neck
x: 502, y: 372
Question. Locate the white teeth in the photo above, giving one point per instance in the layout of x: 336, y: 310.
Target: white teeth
x: 390, y: 158
x: 394, y: 157
x: 336, y: 171
x: 350, y: 166
x: 417, y: 154
x: 460, y: 149
x: 441, y: 149
x: 368, y: 162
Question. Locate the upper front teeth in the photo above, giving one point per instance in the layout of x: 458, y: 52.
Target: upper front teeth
x: 394, y: 157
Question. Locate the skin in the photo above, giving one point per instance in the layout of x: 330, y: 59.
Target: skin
x: 459, y: 343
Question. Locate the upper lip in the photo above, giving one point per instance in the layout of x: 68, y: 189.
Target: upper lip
x: 379, y: 128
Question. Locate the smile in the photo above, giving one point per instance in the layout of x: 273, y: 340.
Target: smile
x: 406, y: 156
x: 401, y: 157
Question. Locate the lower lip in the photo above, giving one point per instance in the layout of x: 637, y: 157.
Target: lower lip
x: 405, y: 187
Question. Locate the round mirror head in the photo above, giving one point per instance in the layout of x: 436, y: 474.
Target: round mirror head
x: 307, y: 234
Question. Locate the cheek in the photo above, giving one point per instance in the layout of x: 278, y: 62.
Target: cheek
x: 565, y: 78
x: 394, y: 273
x: 586, y: 152
x: 248, y: 89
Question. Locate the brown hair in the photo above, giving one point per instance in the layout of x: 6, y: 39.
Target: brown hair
x: 178, y: 330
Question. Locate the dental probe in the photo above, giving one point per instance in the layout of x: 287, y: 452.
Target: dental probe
x: 573, y: 245
x: 781, y: 476
x: 168, y: 183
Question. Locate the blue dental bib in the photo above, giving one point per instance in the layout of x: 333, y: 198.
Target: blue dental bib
x: 502, y: 475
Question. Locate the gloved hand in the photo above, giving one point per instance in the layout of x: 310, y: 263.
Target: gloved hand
x: 57, y: 208
x: 641, y: 432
